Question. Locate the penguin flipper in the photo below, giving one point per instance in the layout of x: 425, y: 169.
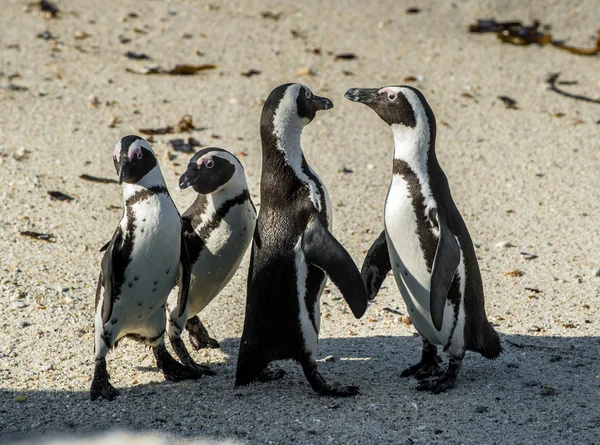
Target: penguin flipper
x: 322, y: 250
x: 185, y: 276
x: 376, y: 266
x: 445, y: 265
x: 107, y: 278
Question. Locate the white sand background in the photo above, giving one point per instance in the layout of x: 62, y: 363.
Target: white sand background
x: 528, y: 176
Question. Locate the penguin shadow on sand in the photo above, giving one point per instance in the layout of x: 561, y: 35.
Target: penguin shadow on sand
x: 532, y: 367
x: 537, y: 380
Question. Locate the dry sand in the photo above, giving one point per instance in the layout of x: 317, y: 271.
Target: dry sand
x: 528, y: 176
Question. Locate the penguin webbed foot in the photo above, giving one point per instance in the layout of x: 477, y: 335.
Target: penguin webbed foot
x: 321, y: 387
x: 444, y: 382
x: 424, y: 369
x: 198, y: 335
x: 429, y: 365
x: 186, y: 358
x: 172, y: 370
x: 438, y: 385
x: 269, y: 374
x: 101, y: 387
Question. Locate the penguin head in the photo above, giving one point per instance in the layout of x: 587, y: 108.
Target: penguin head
x: 292, y: 104
x: 133, y: 158
x: 210, y: 170
x: 395, y: 105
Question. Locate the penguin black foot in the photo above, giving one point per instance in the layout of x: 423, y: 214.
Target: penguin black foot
x: 267, y: 375
x: 101, y: 387
x: 198, y: 335
x: 186, y: 358
x: 172, y: 369
x: 429, y: 366
x: 321, y: 387
x: 444, y: 382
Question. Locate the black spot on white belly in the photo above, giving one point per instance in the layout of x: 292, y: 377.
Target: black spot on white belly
x: 130, y: 284
x: 168, y: 270
x: 136, y: 278
x: 154, y: 289
x: 163, y: 306
x: 139, y: 303
x: 114, y: 320
x: 156, y: 282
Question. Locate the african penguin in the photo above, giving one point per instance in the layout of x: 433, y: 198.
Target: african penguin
x: 217, y: 231
x: 139, y: 267
x: 293, y: 251
x: 426, y: 243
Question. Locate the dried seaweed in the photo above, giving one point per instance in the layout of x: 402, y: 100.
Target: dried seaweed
x: 552, y: 81
x: 516, y: 33
x: 177, y: 70
x: 60, y: 196
x: 270, y: 15
x: 251, y: 72
x: 134, y: 55
x: 91, y: 178
x: 181, y: 146
x: 413, y: 10
x: 39, y: 236
x: 185, y: 125
x: 49, y: 8
x: 345, y: 56
x: 510, y: 103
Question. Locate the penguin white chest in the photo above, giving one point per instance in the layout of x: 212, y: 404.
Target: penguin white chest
x: 152, y: 272
x: 407, y: 257
x: 222, y: 255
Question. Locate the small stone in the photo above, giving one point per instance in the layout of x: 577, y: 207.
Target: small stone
x: 406, y: 320
x: 370, y: 166
x: 547, y: 391
x: 305, y: 72
x: 555, y: 358
x: 481, y: 409
x: 512, y: 365
x: 513, y: 273
x: 24, y: 324
x: 20, y: 399
x: 503, y: 245
x: 329, y: 358
x: 596, y: 272
x: 20, y: 153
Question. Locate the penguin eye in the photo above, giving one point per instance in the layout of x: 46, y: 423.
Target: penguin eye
x: 308, y: 94
x: 210, y: 163
x: 392, y: 97
x: 139, y: 154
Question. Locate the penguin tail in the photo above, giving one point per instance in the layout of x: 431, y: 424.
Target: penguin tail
x: 489, y: 346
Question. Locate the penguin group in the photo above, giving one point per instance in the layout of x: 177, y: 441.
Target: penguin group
x: 162, y: 268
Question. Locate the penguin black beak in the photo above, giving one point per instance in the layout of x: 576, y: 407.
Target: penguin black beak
x: 188, y: 178
x: 124, y: 169
x: 322, y: 103
x: 363, y: 95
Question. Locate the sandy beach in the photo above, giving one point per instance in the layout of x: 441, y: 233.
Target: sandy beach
x: 524, y: 176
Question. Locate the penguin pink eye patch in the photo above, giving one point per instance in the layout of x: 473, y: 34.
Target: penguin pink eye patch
x: 206, y: 162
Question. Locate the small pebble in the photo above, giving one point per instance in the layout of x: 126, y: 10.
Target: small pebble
x: 596, y: 272
x: 20, y: 399
x: 503, y: 245
x: 329, y: 358
x: 24, y: 324
x: 547, y: 391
